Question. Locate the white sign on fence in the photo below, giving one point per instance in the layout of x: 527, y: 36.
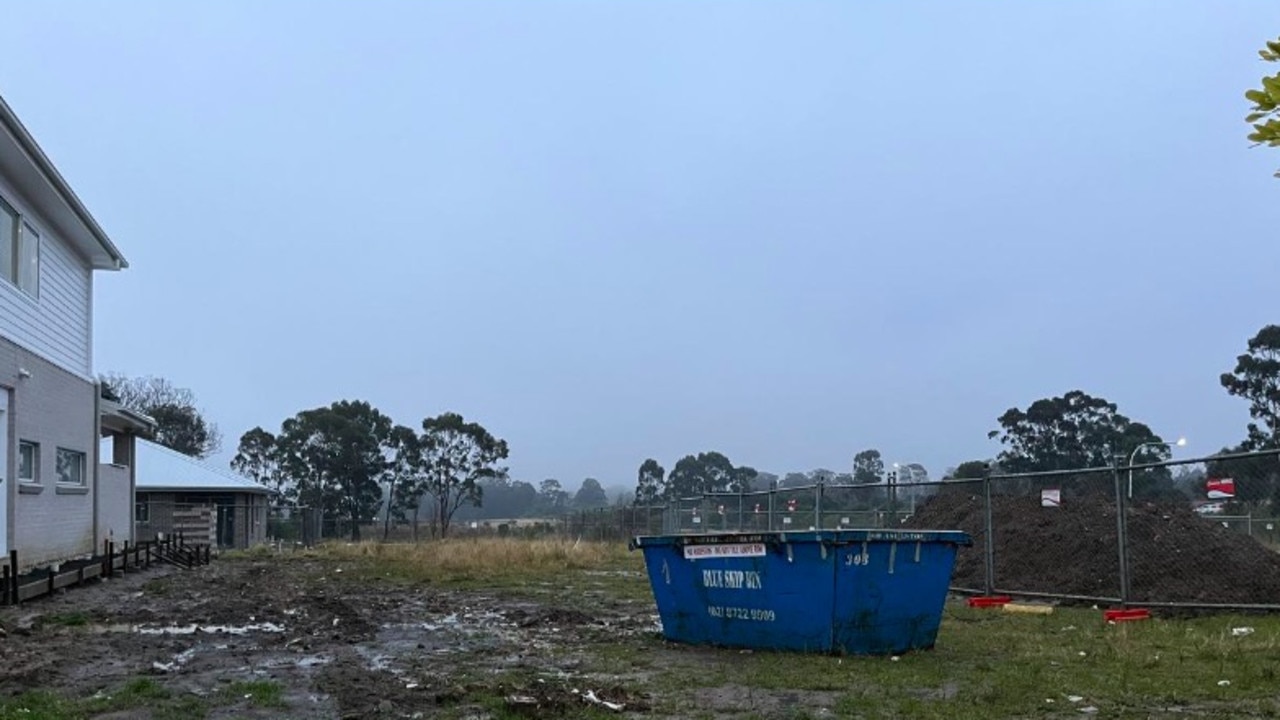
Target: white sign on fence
x: 1051, y: 497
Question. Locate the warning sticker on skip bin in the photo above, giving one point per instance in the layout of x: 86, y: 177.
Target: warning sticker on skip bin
x: 703, y: 552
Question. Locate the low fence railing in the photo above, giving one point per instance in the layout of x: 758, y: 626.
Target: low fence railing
x: 18, y: 586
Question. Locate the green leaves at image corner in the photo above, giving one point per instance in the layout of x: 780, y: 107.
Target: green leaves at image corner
x: 1264, y: 115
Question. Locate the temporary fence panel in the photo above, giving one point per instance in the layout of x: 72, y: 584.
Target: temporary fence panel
x: 1198, y: 553
x: 1056, y: 535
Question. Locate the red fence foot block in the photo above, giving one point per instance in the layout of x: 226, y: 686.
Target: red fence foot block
x: 989, y: 601
x: 1126, y: 615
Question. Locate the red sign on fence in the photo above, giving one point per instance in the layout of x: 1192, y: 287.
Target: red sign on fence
x: 1219, y: 488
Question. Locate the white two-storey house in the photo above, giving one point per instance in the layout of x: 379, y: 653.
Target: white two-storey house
x: 52, y: 506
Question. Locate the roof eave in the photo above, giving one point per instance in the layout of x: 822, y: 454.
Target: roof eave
x: 207, y: 489
x: 118, y: 418
x: 45, y: 166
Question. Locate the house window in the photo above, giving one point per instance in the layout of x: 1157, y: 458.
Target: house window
x: 19, y: 250
x: 70, y: 467
x: 28, y: 271
x: 28, y: 462
x: 142, y: 511
x: 8, y: 239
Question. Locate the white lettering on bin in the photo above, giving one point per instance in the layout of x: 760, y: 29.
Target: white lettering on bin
x: 732, y: 579
x: 741, y: 613
x: 702, y: 552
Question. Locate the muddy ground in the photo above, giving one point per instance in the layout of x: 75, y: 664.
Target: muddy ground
x: 314, y: 636
x: 334, y: 646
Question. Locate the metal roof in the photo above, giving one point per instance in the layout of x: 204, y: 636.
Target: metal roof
x: 160, y: 469
x: 28, y: 166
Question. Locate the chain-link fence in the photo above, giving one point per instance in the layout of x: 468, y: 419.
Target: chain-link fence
x: 615, y: 523
x: 1200, y: 534
x: 1197, y: 533
x: 1222, y: 553
x: 796, y: 508
x: 1055, y: 534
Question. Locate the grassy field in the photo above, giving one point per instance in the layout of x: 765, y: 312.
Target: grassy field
x: 987, y: 663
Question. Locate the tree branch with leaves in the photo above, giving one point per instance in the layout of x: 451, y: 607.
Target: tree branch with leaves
x: 337, y: 456
x: 1256, y: 378
x: 1264, y: 115
x: 256, y: 458
x: 1077, y: 431
x: 180, y: 425
x: 651, y: 483
x: 404, y: 478
x: 456, y: 456
x: 868, y: 467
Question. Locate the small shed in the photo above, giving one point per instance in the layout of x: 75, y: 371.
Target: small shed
x: 179, y: 493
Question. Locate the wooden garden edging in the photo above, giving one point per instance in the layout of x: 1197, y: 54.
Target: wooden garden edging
x: 18, y: 588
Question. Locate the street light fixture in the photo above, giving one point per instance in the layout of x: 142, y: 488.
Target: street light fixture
x: 1181, y: 442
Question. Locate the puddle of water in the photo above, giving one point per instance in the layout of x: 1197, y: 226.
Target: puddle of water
x: 472, y: 618
x: 190, y: 629
x: 274, y: 662
x: 178, y: 661
x: 211, y: 629
x: 377, y: 661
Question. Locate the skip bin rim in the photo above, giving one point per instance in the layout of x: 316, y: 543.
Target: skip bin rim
x: 954, y: 537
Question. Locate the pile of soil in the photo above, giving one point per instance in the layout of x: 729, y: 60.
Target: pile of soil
x: 1175, y: 555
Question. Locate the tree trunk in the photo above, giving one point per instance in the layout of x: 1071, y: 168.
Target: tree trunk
x: 391, y: 497
x: 415, y: 521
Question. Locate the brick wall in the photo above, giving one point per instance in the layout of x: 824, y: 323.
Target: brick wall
x: 48, y: 521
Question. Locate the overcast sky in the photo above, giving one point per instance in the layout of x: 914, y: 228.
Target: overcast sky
x: 609, y: 231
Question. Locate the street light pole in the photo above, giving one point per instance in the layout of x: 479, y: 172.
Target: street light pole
x: 893, y: 488
x: 1180, y: 443
x: 911, y: 478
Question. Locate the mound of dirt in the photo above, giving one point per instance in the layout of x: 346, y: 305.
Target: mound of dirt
x: 1174, y: 554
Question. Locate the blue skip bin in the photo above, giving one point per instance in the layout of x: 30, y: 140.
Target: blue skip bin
x: 861, y: 592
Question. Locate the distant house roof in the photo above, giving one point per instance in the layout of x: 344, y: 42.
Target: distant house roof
x: 27, y: 166
x: 160, y: 469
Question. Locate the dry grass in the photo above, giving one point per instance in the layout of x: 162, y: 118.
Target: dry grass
x: 485, y: 560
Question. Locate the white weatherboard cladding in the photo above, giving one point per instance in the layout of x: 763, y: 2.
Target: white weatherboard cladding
x: 56, y: 325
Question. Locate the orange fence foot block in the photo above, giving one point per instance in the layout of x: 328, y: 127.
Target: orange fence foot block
x: 1126, y: 615
x: 989, y: 601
